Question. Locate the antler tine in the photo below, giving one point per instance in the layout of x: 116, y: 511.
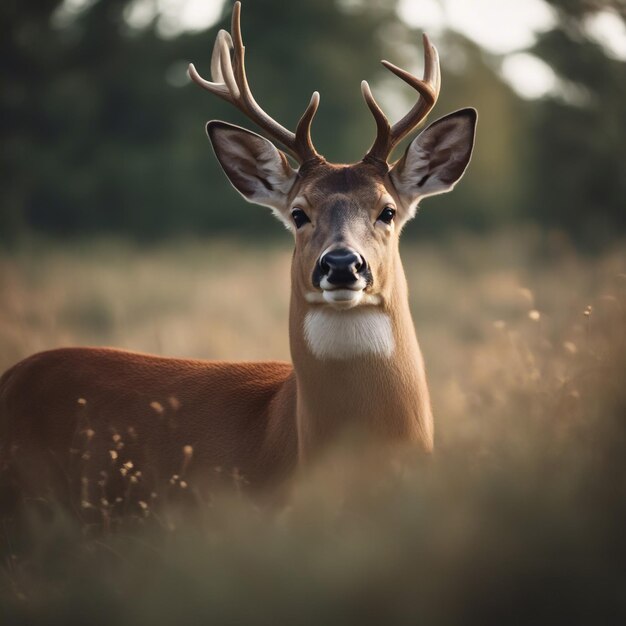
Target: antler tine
x: 304, y: 143
x: 219, y: 89
x: 231, y: 84
x: 387, y: 137
x: 216, y: 69
x: 383, y: 128
x: 225, y: 44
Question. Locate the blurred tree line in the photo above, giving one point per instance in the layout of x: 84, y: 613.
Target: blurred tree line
x: 101, y: 132
x: 577, y: 170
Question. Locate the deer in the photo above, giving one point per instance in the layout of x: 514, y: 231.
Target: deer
x: 83, y: 413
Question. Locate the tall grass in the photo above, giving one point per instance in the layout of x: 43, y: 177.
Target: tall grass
x: 518, y: 516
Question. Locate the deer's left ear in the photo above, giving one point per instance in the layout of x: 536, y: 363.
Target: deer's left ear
x: 436, y: 159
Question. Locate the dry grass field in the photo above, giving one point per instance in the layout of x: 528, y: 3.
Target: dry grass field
x: 517, y: 518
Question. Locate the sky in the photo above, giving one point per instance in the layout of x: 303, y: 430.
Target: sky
x: 504, y: 27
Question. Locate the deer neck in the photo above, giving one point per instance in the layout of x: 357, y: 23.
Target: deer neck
x: 360, y: 369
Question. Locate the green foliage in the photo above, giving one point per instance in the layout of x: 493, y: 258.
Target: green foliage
x: 577, y: 169
x: 100, y: 132
x: 96, y: 139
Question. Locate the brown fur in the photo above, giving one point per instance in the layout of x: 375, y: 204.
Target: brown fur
x: 388, y: 398
x: 229, y: 413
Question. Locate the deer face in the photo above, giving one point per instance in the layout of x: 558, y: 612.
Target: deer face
x: 346, y: 234
x: 346, y: 219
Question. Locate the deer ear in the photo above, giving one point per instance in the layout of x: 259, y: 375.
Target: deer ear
x: 436, y: 159
x: 255, y: 167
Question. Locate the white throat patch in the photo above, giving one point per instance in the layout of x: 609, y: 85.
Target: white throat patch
x: 332, y: 334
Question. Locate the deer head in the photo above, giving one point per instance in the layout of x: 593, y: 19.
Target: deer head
x: 346, y: 219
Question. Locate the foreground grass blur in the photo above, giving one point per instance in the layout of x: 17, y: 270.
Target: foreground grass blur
x: 517, y: 518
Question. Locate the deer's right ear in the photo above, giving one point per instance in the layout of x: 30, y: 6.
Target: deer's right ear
x: 255, y: 167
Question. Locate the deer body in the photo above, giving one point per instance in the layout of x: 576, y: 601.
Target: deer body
x: 356, y: 360
x: 68, y: 403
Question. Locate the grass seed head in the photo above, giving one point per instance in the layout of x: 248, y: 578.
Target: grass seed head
x: 157, y: 407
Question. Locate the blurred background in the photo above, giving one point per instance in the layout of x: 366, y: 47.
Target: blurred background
x: 102, y: 132
x: 117, y: 227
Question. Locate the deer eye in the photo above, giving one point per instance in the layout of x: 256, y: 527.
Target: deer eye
x: 300, y: 218
x: 386, y: 215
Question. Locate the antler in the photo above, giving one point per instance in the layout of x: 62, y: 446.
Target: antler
x: 230, y: 84
x: 387, y: 136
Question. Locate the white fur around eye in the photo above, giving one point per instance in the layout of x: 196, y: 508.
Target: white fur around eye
x: 333, y: 334
x: 386, y: 228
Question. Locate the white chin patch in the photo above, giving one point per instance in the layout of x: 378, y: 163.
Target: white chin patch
x: 332, y: 334
x: 342, y: 298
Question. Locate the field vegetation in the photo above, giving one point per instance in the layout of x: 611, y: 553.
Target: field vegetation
x: 517, y: 517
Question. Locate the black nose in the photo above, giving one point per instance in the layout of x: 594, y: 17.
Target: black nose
x: 341, y: 266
